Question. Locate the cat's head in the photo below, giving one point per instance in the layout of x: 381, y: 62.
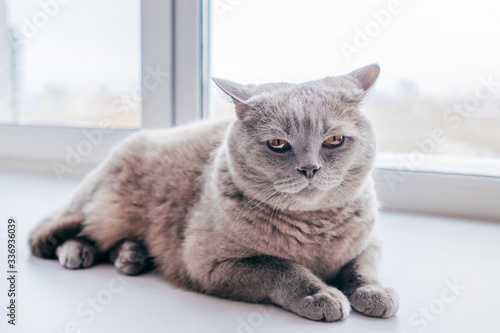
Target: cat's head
x: 302, y: 146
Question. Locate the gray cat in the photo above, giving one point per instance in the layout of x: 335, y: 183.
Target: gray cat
x: 276, y: 206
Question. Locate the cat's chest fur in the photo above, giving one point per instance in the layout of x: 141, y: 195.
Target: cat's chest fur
x: 323, y: 241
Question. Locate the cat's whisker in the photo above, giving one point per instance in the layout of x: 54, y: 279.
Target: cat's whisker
x: 342, y: 191
x: 261, y: 205
x: 285, y: 180
x: 275, y: 210
x: 259, y: 202
x: 265, y: 204
x: 291, y: 184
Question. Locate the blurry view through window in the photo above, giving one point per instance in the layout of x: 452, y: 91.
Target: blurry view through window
x: 70, y: 63
x: 439, y: 88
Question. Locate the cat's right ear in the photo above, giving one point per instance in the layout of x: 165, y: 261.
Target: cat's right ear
x: 239, y: 93
x: 366, y: 76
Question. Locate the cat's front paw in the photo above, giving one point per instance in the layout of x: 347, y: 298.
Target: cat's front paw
x: 75, y: 253
x: 327, y: 304
x: 375, y: 301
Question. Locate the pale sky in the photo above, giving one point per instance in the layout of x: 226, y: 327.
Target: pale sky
x: 86, y: 44
x: 442, y: 45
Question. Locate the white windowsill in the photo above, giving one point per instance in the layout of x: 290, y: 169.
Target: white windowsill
x: 421, y: 253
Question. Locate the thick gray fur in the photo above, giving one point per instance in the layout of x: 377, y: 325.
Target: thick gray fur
x: 222, y: 214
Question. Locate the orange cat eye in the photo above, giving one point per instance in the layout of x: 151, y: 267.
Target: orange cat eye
x: 278, y: 145
x: 333, y: 141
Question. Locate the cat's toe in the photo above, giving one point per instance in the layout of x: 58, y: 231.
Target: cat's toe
x: 328, y: 304
x: 74, y: 254
x: 132, y: 258
x: 375, y: 301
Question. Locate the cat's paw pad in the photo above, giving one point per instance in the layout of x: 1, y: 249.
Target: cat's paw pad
x: 327, y: 304
x: 132, y: 258
x: 75, y: 254
x: 375, y: 301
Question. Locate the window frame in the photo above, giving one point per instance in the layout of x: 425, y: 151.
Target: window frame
x: 428, y: 189
x: 173, y: 32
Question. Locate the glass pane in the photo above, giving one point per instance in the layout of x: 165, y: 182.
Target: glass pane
x: 70, y: 63
x: 440, y: 71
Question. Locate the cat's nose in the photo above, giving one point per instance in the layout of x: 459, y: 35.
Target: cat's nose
x: 309, y: 170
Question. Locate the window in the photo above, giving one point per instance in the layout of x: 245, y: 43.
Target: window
x: 77, y: 77
x: 70, y: 63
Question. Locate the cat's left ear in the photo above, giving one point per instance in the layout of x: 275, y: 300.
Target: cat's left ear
x: 366, y: 76
x: 239, y: 93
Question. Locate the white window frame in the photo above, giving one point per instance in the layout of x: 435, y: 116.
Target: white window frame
x: 173, y: 32
x: 472, y: 192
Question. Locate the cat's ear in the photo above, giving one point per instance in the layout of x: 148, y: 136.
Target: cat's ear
x: 366, y: 76
x: 239, y: 93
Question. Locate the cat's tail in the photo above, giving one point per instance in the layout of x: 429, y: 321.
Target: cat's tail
x: 52, y: 232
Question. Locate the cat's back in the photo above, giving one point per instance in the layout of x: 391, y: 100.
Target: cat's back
x: 153, y: 174
x: 169, y: 152
x: 188, y: 141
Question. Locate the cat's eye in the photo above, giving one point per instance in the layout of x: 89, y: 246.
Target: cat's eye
x: 333, y: 141
x: 278, y: 145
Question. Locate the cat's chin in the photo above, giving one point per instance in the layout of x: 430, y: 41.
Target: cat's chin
x: 310, y: 189
x: 312, y: 197
x: 305, y: 189
x: 310, y: 194
x: 320, y: 187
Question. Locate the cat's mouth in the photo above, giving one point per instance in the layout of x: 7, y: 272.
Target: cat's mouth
x: 325, y: 184
x: 309, y: 189
x: 301, y: 186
